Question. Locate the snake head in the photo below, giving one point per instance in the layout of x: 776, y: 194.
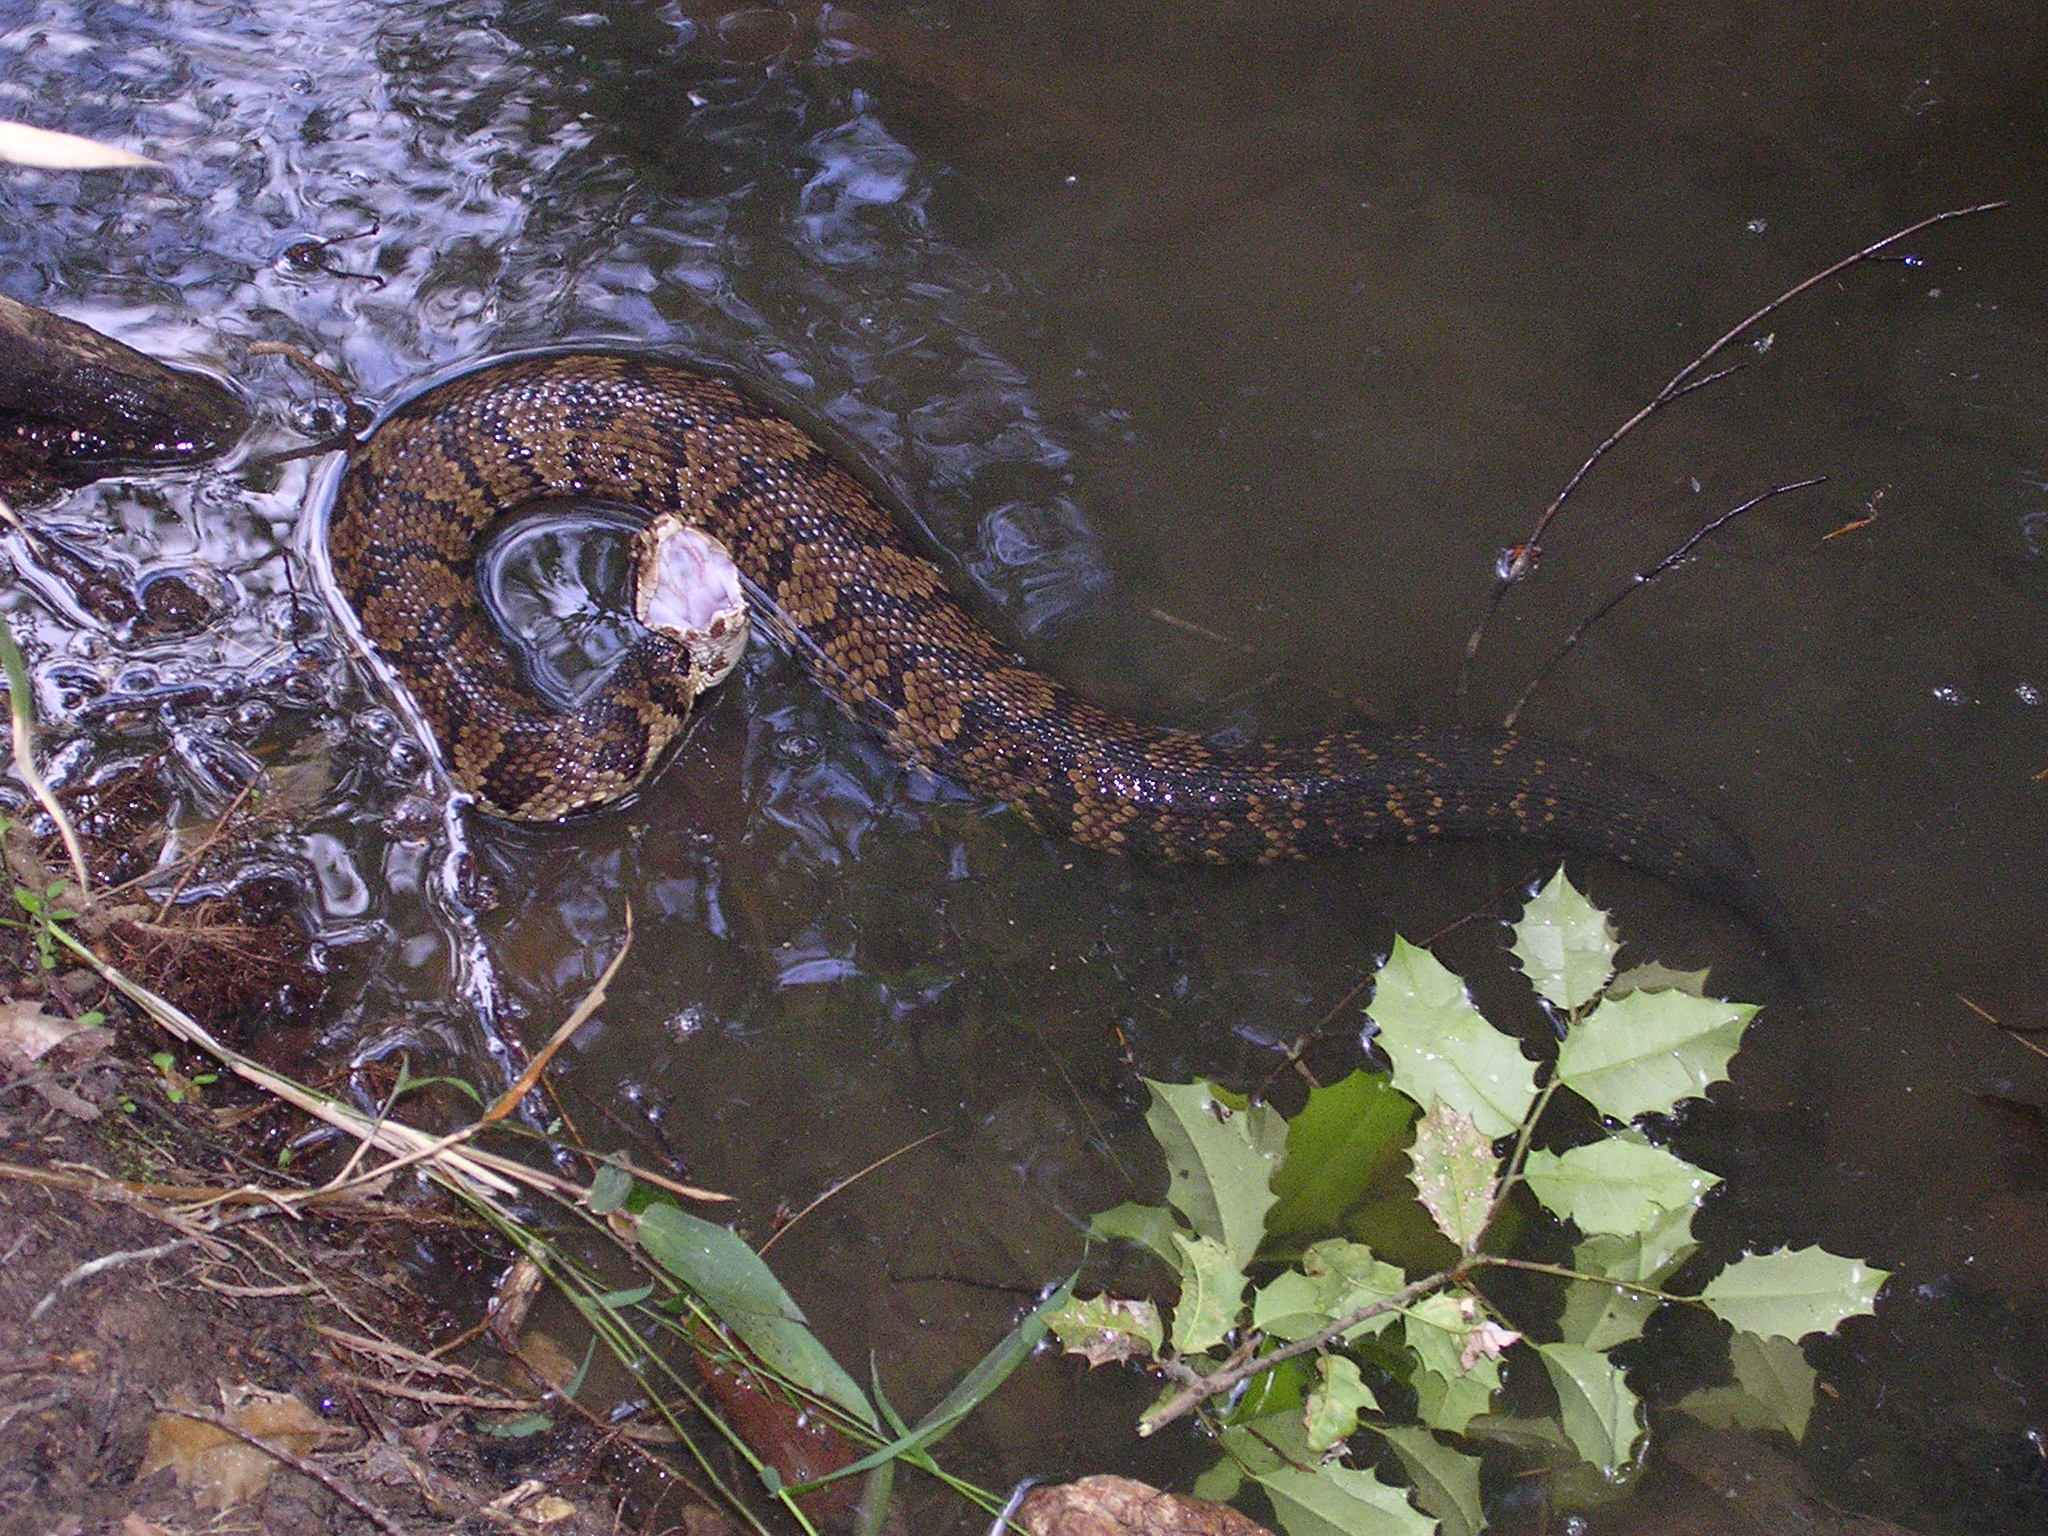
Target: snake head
x: 686, y: 586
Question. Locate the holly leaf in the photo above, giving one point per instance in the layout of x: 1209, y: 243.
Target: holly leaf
x: 1151, y: 1227
x: 1773, y: 1388
x: 1450, y: 1403
x: 1600, y: 1414
x: 1344, y: 1135
x: 1453, y: 1170
x: 1618, y: 1185
x: 1330, y: 1415
x: 1341, y: 1501
x: 1446, y: 1481
x: 1602, y: 1316
x: 1565, y: 944
x: 1655, y: 976
x: 1104, y: 1329
x: 1442, y: 1049
x: 1220, y: 1158
x: 1219, y: 1484
x: 1336, y: 1279
x: 1211, y: 1291
x: 1460, y: 1354
x: 1792, y: 1293
x: 1643, y: 1053
x: 1329, y: 1501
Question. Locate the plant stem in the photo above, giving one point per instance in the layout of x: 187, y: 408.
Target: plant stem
x: 21, y: 705
x: 1226, y: 1380
x: 1564, y: 1272
x: 1514, y: 1174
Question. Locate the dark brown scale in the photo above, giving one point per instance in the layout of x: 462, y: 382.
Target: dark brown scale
x: 875, y: 624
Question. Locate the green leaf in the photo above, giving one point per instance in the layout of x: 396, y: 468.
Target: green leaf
x: 1442, y: 1049
x: 1773, y: 1388
x: 1450, y: 1403
x: 1211, y: 1291
x: 1273, y: 1440
x: 1646, y: 1257
x: 618, y: 1300
x: 1446, y: 1481
x: 1336, y: 1278
x: 1280, y: 1389
x: 1454, y: 1174
x: 1459, y: 1351
x: 967, y: 1394
x: 1445, y: 1331
x: 733, y: 1282
x: 1220, y: 1483
x: 1344, y: 1136
x: 1655, y: 976
x: 1331, y: 1413
x: 1790, y: 1294
x: 1341, y: 1501
x: 1103, y: 1329
x: 1602, y: 1316
x: 1774, y: 1372
x: 1151, y: 1227
x: 608, y: 1191
x: 1600, y: 1414
x: 1220, y: 1160
x: 1539, y: 1442
x: 1643, y: 1053
x: 1565, y: 944
x: 1618, y: 1185
x: 518, y: 1427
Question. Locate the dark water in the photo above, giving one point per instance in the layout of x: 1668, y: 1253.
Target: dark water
x: 1279, y: 319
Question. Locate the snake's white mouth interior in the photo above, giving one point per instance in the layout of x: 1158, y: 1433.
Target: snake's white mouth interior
x: 687, y: 586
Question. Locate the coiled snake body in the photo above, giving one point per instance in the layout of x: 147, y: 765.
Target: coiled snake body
x: 874, y: 622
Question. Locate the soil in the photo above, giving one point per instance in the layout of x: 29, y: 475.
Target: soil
x: 89, y: 1361
x: 121, y: 1318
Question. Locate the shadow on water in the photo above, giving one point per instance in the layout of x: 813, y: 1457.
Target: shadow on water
x: 1279, y: 321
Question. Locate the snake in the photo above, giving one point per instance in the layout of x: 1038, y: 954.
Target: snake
x: 836, y: 576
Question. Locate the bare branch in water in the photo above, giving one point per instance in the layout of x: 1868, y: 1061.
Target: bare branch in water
x: 1640, y: 580
x: 1523, y: 558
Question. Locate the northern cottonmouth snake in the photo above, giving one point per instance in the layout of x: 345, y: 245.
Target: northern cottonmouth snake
x: 873, y: 621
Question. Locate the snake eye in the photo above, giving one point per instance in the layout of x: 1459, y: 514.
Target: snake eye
x: 685, y: 585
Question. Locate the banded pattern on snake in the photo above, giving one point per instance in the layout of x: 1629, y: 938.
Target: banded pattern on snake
x: 875, y: 624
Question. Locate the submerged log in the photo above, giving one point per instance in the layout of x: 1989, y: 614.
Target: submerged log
x: 76, y: 405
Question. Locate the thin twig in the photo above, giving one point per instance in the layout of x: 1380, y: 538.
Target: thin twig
x: 843, y: 1184
x: 1640, y: 580
x: 435, y: 1398
x: 103, y: 1263
x: 1226, y: 1380
x: 509, y: 1100
x: 192, y: 862
x: 2013, y: 1032
x: 1525, y: 555
x: 375, y: 1514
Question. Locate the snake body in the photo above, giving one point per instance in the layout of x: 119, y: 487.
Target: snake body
x: 874, y: 622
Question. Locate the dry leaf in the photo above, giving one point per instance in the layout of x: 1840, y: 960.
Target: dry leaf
x: 25, y: 1028
x: 218, y: 1470
x: 39, y: 147
x: 1121, y: 1506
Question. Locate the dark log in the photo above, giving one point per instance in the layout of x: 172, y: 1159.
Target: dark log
x: 76, y: 405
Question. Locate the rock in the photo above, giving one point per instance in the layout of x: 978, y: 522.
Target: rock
x: 1121, y: 1506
